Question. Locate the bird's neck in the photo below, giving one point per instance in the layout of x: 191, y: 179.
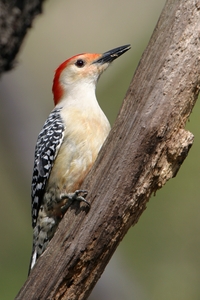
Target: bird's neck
x: 82, y: 96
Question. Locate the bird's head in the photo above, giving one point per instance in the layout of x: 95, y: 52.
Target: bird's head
x: 82, y: 70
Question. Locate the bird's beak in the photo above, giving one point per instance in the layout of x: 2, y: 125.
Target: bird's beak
x: 111, y: 55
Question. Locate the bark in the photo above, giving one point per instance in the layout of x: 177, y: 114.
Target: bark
x: 16, y: 16
x: 145, y: 148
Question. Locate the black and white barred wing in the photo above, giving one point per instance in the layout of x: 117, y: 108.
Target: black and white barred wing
x: 46, y: 150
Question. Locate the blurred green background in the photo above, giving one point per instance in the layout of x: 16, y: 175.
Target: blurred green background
x: 159, y: 257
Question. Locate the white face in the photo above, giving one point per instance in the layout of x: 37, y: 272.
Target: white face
x: 77, y: 77
x: 82, y: 69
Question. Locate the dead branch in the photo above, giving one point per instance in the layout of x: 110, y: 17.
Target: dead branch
x: 146, y: 147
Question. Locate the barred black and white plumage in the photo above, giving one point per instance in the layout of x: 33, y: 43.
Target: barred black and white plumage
x: 46, y: 150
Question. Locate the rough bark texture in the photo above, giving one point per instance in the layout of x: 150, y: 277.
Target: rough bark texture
x: 16, y: 17
x: 146, y: 147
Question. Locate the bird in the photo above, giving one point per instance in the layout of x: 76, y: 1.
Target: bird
x: 68, y: 143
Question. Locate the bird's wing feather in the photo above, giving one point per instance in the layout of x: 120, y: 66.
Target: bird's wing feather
x: 46, y: 150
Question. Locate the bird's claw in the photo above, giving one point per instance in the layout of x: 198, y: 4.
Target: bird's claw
x: 78, y: 195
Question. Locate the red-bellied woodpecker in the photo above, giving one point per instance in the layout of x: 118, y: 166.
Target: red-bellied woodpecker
x: 68, y: 144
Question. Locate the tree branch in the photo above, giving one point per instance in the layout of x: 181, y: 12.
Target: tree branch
x: 16, y: 16
x: 146, y: 147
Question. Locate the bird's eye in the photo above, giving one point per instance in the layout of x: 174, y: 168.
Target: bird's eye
x: 80, y: 63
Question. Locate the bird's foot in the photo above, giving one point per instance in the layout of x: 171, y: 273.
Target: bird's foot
x: 78, y: 195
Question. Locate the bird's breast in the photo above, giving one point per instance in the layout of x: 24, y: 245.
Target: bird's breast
x: 83, y: 138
